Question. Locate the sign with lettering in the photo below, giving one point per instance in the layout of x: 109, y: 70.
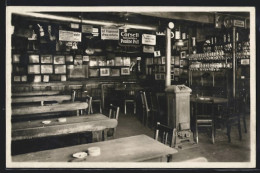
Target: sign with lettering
x: 149, y: 39
x: 109, y: 33
x: 129, y: 38
x: 148, y: 49
x: 69, y: 36
x: 87, y: 29
x: 157, y: 53
x: 239, y: 23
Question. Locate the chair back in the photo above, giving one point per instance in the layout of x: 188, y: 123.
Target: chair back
x: 164, y: 134
x: 204, y: 108
x: 73, y: 95
x: 144, y: 101
x: 113, y: 112
x: 96, y: 93
x: 89, y: 101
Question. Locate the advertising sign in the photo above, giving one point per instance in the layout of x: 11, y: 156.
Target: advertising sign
x: 87, y: 29
x: 129, y: 38
x: 148, y: 49
x: 239, y: 23
x: 149, y: 39
x: 69, y: 36
x: 108, y: 33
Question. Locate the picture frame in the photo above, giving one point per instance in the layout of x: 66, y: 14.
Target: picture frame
x: 59, y: 59
x: 16, y: 58
x: 104, y: 71
x: 37, y: 78
x: 94, y: 72
x: 63, y: 78
x: 111, y: 62
x: 34, y: 69
x: 115, y: 72
x: 46, y: 78
x: 183, y: 54
x: 46, y: 59
x: 172, y: 59
x: 17, y: 78
x: 69, y: 58
x: 46, y: 69
x: 118, y: 61
x: 102, y: 61
x: 78, y: 60
x: 85, y: 58
x: 126, y: 61
x: 125, y: 71
x: 24, y: 78
x: 34, y: 59
x: 60, y: 69
x: 92, y: 61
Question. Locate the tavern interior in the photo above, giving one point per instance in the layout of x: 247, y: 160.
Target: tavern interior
x: 167, y: 67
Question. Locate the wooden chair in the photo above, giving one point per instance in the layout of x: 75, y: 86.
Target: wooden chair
x: 89, y: 101
x: 113, y: 114
x: 165, y: 135
x: 96, y: 98
x: 233, y: 117
x: 145, y: 107
x: 130, y: 97
x: 205, y: 118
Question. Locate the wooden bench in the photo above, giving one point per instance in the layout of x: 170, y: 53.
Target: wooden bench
x: 42, y: 99
x: 19, y: 111
x: 140, y: 148
x: 36, y: 129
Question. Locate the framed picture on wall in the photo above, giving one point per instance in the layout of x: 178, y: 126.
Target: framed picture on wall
x: 94, y: 72
x: 24, y: 78
x: 115, y: 72
x: 126, y: 61
x: 60, y: 69
x: 59, y: 59
x: 46, y: 69
x: 104, y: 71
x: 46, y: 59
x: 183, y: 54
x: 16, y: 58
x: 34, y: 59
x: 69, y: 58
x: 125, y: 71
x: 17, y: 78
x: 34, y: 69
x: 46, y: 78
x: 92, y: 61
x: 37, y: 78
x: 63, y: 78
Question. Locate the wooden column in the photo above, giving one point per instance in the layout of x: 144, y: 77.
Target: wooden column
x: 234, y: 66
x: 168, y: 58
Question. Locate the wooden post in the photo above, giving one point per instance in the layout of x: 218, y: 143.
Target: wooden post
x: 168, y: 58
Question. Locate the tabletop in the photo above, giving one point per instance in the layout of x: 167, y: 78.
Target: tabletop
x: 58, y: 98
x: 35, y: 129
x: 26, y: 110
x: 35, y: 93
x: 129, y: 149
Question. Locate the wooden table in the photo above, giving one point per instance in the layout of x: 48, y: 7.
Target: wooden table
x: 129, y: 149
x: 28, y: 110
x: 35, y: 93
x: 42, y: 99
x: 84, y: 123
